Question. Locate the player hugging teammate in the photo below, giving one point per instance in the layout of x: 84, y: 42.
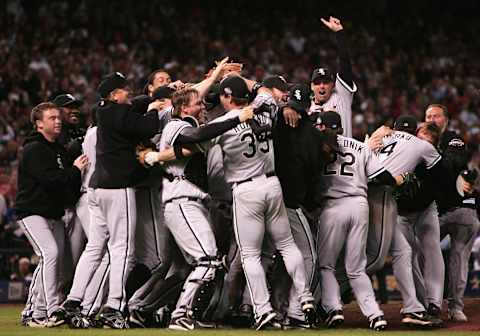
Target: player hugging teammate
x: 231, y: 201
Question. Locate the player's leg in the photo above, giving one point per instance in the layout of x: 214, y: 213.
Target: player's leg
x: 427, y: 232
x: 279, y: 230
x: 189, y: 225
x: 356, y: 259
x: 463, y: 225
x: 249, y: 227
x: 119, y: 208
x: 39, y: 232
x: 330, y: 241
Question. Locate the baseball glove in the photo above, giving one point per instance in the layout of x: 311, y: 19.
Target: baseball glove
x: 409, y: 189
x: 141, y: 151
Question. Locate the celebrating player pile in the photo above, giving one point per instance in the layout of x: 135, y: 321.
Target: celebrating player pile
x: 237, y: 202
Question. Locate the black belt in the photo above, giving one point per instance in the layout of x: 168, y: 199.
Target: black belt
x: 193, y: 199
x: 269, y: 174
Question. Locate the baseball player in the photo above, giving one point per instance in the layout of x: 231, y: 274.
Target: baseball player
x: 335, y: 93
x: 183, y: 196
x: 111, y: 199
x: 343, y: 223
x: 401, y: 152
x: 458, y: 217
x: 258, y: 206
x: 44, y: 183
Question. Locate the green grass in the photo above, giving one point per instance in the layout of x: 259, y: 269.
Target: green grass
x: 9, y: 326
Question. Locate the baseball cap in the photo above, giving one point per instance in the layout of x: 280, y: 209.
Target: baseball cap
x: 299, y: 97
x: 330, y: 119
x: 234, y: 86
x: 163, y: 92
x: 322, y: 73
x: 406, y: 123
x: 67, y: 100
x: 111, y: 82
x: 277, y: 82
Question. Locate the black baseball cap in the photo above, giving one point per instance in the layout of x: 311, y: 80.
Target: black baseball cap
x: 277, y: 82
x: 234, y: 86
x: 330, y: 119
x: 111, y: 82
x: 163, y: 92
x: 323, y: 74
x: 299, y: 97
x: 67, y: 100
x: 406, y: 123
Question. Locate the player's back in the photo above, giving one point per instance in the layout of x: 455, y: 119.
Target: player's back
x: 402, y: 152
x: 245, y: 154
x: 349, y: 170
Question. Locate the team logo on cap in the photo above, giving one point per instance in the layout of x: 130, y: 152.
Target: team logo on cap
x: 298, y: 94
x: 282, y: 78
x: 70, y: 96
x: 228, y: 91
x: 322, y: 71
x: 119, y: 74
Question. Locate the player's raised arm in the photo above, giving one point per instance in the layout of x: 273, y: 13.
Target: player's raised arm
x: 345, y: 72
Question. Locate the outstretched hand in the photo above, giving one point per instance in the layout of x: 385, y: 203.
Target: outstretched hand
x: 333, y: 24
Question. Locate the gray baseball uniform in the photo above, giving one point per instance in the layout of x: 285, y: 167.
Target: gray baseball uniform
x: 401, y: 153
x: 344, y: 222
x: 341, y: 102
x: 187, y: 219
x: 90, y: 285
x: 258, y: 208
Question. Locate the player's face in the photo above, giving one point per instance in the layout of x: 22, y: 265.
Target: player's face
x: 161, y: 79
x: 435, y: 115
x: 71, y: 115
x: 194, y: 107
x: 279, y: 96
x: 121, y: 96
x: 51, y: 123
x: 322, y: 89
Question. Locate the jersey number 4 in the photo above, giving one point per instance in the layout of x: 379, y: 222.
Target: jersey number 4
x: 263, y: 146
x: 347, y: 159
x: 388, y: 149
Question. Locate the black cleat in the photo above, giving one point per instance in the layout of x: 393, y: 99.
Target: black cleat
x: 268, y: 321
x: 137, y: 319
x: 434, y: 314
x: 242, y: 317
x: 112, y: 318
x: 57, y: 318
x: 419, y: 319
x: 308, y: 309
x: 293, y: 323
x: 79, y: 321
x: 378, y: 323
x: 182, y: 323
x: 334, y: 319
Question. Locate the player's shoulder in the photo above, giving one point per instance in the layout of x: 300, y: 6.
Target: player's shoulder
x: 351, y: 143
x: 228, y: 115
x: 263, y: 97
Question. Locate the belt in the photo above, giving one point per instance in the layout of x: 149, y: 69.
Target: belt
x: 193, y: 199
x: 269, y: 174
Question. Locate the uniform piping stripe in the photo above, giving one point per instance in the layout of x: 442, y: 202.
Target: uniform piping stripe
x: 191, y: 229
x: 125, y: 260
x: 346, y: 86
x: 102, y: 283
x: 311, y: 245
x: 378, y: 172
x: 377, y: 256
x: 175, y: 135
x: 154, y: 222
x: 237, y: 235
x: 42, y: 255
x: 435, y: 162
x: 28, y: 305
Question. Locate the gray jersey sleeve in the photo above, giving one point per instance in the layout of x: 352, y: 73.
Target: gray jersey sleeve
x: 88, y: 147
x: 430, y: 155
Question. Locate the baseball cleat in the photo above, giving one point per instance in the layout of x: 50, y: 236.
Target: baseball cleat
x: 57, y: 318
x: 268, y: 321
x: 434, y: 314
x: 378, y: 323
x: 308, y: 309
x: 137, y: 319
x: 182, y: 323
x: 457, y: 316
x: 293, y: 323
x: 417, y: 319
x: 334, y: 319
x: 25, y: 320
x: 37, y: 322
x: 112, y: 318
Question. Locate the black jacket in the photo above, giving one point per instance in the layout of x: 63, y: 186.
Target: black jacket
x: 120, y: 129
x: 46, y: 183
x: 298, y: 161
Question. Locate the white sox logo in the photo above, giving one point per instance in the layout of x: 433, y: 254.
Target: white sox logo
x: 59, y: 162
x: 298, y: 95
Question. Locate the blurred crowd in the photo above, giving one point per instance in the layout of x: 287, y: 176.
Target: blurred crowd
x: 405, y: 56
